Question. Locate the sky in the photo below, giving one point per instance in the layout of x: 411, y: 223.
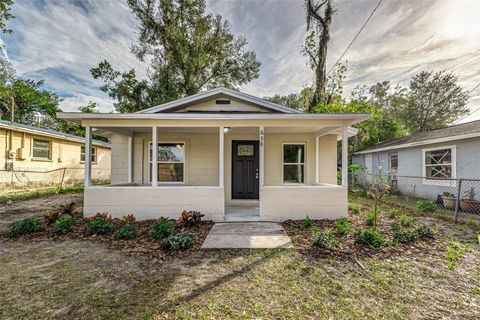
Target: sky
x: 60, y: 40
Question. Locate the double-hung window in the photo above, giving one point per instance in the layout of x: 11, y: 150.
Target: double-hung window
x: 94, y: 155
x: 41, y: 149
x: 439, y: 165
x: 294, y: 163
x: 170, y: 162
x: 393, y: 164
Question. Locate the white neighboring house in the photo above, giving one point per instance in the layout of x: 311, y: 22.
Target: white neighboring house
x: 227, y: 154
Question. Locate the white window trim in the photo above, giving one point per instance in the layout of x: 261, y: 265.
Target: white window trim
x: 184, y: 162
x: 96, y: 154
x: 304, y: 165
x: 390, y: 162
x: 50, y: 149
x: 445, y: 183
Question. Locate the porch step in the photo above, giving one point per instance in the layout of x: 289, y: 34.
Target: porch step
x: 237, y: 217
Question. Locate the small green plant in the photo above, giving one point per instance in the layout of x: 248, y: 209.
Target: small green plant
x: 51, y: 216
x: 404, y: 235
x: 162, y: 228
x: 64, y: 224
x: 354, y: 207
x: 129, y: 218
x: 101, y: 223
x: 454, y: 252
x: 343, y: 226
x: 127, y: 232
x: 392, y: 213
x: 178, y: 241
x: 67, y: 208
x: 405, y: 220
x: 25, y: 226
x: 370, y: 217
x: 426, y: 206
x: 307, y: 223
x: 369, y: 237
x: 424, y: 231
x: 325, y: 239
x: 470, y: 194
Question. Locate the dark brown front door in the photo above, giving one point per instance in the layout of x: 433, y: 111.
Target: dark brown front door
x: 245, y: 169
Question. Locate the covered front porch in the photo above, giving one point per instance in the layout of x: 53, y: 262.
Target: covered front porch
x: 203, y: 172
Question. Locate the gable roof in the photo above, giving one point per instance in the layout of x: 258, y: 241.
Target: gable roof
x: 215, y: 93
x: 48, y: 133
x: 456, y: 132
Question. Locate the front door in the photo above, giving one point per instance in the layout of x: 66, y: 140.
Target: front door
x: 245, y: 166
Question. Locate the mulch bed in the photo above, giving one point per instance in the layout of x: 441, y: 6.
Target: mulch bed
x: 143, y: 244
x: 302, y: 239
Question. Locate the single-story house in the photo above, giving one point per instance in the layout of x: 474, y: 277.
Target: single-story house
x: 428, y: 163
x: 28, y: 148
x: 224, y: 153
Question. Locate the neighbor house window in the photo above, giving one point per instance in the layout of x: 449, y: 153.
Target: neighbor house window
x: 94, y: 154
x: 41, y: 149
x: 393, y: 163
x: 170, y: 162
x: 439, y: 164
x: 293, y: 163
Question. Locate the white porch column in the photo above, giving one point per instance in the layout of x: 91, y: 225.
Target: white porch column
x: 262, y: 155
x: 344, y: 157
x: 154, y: 157
x: 221, y: 156
x: 88, y: 157
x: 317, y: 159
x: 130, y: 159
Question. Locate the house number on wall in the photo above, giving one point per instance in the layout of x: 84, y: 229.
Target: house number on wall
x: 261, y: 138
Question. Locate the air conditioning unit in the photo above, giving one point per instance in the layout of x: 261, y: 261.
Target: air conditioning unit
x: 12, y: 154
x: 22, y: 153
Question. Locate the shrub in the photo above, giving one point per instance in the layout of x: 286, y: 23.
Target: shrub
x: 25, y: 226
x: 190, y: 218
x: 426, y: 206
x: 369, y: 237
x: 424, y: 231
x: 405, y: 220
x: 101, y: 223
x: 307, y: 223
x: 392, y: 213
x: 162, y: 228
x: 343, y: 226
x: 67, y: 208
x: 178, y: 241
x: 404, y: 235
x: 129, y: 218
x: 354, y: 207
x: 51, y: 216
x: 325, y: 239
x: 454, y: 252
x: 64, y: 224
x: 370, y: 217
x: 128, y: 231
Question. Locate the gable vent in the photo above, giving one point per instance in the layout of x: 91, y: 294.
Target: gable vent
x: 222, y: 101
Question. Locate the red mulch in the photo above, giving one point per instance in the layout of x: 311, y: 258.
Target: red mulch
x: 302, y: 239
x: 143, y: 244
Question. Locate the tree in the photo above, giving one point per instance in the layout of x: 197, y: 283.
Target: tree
x: 319, y: 19
x: 299, y: 101
x: 5, y: 15
x: 31, y: 101
x: 433, y: 101
x: 187, y: 49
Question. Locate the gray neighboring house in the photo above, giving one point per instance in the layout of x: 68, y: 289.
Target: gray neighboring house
x: 427, y: 163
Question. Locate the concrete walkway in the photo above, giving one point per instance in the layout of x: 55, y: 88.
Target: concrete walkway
x: 247, y: 235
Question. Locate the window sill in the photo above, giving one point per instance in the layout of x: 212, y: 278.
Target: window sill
x: 42, y: 160
x: 442, y: 183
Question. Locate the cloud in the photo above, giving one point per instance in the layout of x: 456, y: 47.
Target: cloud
x: 71, y: 104
x: 59, y: 41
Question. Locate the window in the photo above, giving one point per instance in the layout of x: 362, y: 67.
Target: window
x: 393, y: 163
x: 94, y: 154
x: 170, y: 162
x: 41, y: 149
x: 293, y: 163
x: 438, y: 165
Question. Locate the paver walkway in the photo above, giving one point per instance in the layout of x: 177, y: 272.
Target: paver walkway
x: 247, y: 235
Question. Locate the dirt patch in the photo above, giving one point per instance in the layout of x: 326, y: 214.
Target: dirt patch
x: 17, y: 210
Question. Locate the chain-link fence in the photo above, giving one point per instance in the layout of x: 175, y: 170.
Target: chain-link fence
x: 453, y: 195
x: 18, y: 180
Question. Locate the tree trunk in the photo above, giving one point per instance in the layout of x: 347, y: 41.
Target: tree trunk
x: 320, y: 71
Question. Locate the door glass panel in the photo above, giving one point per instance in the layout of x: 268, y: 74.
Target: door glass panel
x: 245, y: 150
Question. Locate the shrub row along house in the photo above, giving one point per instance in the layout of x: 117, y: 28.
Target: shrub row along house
x: 429, y: 163
x: 227, y: 154
x: 26, y: 148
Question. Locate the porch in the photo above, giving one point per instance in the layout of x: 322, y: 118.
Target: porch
x: 203, y: 176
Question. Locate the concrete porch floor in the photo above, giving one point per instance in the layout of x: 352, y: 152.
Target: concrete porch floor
x: 242, y: 212
x: 238, y: 235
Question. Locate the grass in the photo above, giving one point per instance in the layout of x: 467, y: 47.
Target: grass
x: 39, y: 193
